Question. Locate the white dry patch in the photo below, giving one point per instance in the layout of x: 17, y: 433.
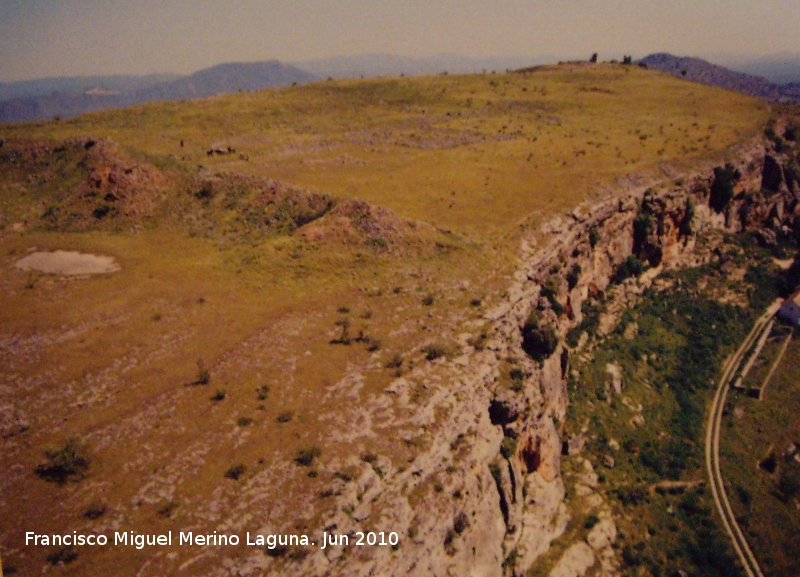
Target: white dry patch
x: 68, y: 263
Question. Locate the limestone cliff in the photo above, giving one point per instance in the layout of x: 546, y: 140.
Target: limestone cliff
x: 484, y: 495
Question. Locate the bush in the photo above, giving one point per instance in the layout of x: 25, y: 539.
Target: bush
x: 262, y: 392
x: 573, y: 276
x: 643, y: 227
x: 434, y: 351
x: 686, y: 224
x: 69, y: 461
x: 395, y: 362
x: 285, y: 416
x: 630, y: 267
x: 460, y: 523
x: 219, y: 395
x: 235, y: 471
x: 344, y: 338
x: 95, y: 510
x: 722, y: 187
x: 63, y: 556
x: 538, y: 341
x: 632, y: 495
x: 594, y: 236
x: 508, y: 447
x: 102, y: 211
x: 305, y: 456
x: 203, y: 374
x: 550, y: 292
x: 788, y: 486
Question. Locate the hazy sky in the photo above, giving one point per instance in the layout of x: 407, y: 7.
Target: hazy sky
x: 80, y: 37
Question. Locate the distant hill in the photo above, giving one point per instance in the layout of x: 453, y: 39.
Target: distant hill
x: 220, y: 79
x: 81, y: 84
x: 698, y: 70
x: 225, y: 78
x: 783, y: 68
x: 372, y: 65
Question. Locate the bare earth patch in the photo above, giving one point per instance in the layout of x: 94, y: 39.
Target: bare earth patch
x: 68, y: 263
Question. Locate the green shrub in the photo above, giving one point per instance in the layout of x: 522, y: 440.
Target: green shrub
x: 305, y: 456
x: 591, y: 521
x: 235, y: 471
x: 573, y: 276
x: 722, y: 187
x: 344, y: 337
x: 508, y: 447
x: 70, y: 461
x: 686, y: 223
x: 435, y: 351
x: 395, y: 362
x: 95, y: 510
x: 594, y: 236
x: 643, y: 227
x: 630, y: 267
x: 203, y: 373
x: 788, y: 485
x: 63, y: 556
x: 538, y: 341
x: 285, y: 416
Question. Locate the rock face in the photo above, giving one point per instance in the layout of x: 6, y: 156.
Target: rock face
x: 501, y: 446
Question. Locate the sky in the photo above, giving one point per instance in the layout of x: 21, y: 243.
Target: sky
x: 43, y: 38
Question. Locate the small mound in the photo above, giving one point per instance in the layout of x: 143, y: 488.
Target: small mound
x: 355, y: 221
x: 86, y: 183
x: 68, y: 263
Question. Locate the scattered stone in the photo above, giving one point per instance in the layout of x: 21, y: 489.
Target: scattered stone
x: 602, y: 535
x: 574, y: 445
x: 637, y: 421
x: 575, y: 561
x: 608, y: 461
x: 616, y: 377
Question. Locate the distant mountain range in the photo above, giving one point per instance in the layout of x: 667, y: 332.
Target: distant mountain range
x: 781, y: 68
x: 697, y: 70
x: 66, y: 97
x: 81, y: 84
x: 109, y: 93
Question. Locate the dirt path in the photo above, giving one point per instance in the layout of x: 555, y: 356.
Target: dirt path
x: 774, y: 366
x: 746, y: 556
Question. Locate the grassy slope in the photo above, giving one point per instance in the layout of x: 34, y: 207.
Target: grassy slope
x: 769, y: 516
x: 108, y: 358
x: 508, y: 145
x: 669, y: 367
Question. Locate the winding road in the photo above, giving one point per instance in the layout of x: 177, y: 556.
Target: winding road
x: 746, y: 556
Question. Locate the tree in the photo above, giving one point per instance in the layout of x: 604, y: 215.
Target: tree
x: 593, y: 59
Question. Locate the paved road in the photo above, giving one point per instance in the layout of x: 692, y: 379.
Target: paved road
x: 746, y: 556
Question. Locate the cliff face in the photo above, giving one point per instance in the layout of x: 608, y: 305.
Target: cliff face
x: 484, y: 495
